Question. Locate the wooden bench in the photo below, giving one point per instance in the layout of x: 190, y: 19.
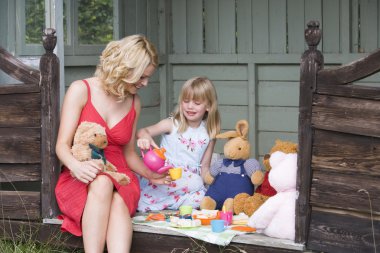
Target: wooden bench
x: 338, y: 209
x: 29, y: 118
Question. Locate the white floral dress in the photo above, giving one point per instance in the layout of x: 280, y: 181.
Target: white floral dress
x: 183, y: 150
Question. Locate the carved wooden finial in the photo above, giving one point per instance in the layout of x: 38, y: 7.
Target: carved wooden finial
x: 49, y: 40
x: 312, y: 34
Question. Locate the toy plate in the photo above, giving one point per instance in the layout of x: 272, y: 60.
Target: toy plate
x: 176, y: 226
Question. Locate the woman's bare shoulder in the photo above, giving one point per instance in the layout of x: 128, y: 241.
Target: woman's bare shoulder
x: 77, y: 92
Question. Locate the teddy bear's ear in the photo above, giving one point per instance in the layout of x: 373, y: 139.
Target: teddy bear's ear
x: 82, y: 128
x: 242, y: 128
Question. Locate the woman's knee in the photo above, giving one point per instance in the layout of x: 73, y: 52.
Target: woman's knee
x: 102, y: 187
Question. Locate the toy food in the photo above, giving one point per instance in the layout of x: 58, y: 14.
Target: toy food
x: 184, y: 223
x: 244, y: 229
x: 240, y: 219
x: 206, y: 216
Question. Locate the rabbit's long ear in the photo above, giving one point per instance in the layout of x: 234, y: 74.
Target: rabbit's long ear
x: 242, y: 128
x: 226, y: 135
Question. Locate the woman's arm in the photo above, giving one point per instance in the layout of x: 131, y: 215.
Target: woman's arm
x: 206, y: 160
x: 134, y: 161
x: 73, y: 103
x: 145, y: 135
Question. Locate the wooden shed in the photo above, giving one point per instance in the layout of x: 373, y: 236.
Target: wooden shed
x: 338, y: 208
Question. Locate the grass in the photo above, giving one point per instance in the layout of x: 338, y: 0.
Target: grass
x: 25, y: 241
x: 7, y: 246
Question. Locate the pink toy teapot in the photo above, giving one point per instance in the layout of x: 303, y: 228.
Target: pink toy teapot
x: 154, y: 159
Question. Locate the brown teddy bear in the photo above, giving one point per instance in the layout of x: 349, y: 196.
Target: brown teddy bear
x: 249, y: 204
x: 233, y: 174
x: 90, y: 139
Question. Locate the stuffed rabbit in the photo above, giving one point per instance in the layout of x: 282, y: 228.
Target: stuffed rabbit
x: 234, y: 174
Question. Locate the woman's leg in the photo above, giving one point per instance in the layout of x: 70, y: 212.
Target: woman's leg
x: 119, y: 232
x: 96, y: 214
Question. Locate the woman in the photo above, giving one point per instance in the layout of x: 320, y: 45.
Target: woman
x: 93, y: 204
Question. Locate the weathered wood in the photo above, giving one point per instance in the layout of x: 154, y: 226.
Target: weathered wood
x: 348, y: 115
x: 19, y: 145
x: 29, y: 122
x: 49, y: 67
x: 141, y: 242
x: 20, y: 205
x: 349, y: 90
x: 311, y: 62
x: 158, y: 243
x: 340, y: 191
x: 351, y: 72
x: 342, y: 233
x: 341, y: 146
x: 19, y: 88
x: 346, y: 153
x: 20, y: 110
x: 16, y: 69
x: 19, y: 172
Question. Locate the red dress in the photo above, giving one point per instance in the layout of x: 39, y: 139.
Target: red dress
x: 71, y: 194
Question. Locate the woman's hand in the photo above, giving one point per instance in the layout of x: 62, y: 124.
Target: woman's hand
x: 86, y: 171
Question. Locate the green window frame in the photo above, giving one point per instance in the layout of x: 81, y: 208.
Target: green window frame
x: 71, y: 17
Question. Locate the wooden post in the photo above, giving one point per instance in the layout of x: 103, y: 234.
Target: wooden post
x: 311, y: 62
x: 49, y: 84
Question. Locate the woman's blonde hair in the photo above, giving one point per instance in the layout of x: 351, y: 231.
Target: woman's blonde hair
x: 124, y: 62
x: 199, y: 89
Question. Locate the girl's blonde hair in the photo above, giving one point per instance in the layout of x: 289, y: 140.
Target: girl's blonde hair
x: 199, y: 89
x: 124, y: 62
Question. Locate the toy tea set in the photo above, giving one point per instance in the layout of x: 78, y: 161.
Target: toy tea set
x: 218, y: 221
x: 154, y: 159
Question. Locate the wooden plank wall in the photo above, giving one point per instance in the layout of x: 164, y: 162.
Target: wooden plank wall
x: 20, y: 136
x: 345, y: 166
x: 273, y: 26
x: 262, y: 38
x: 339, y: 153
x: 255, y: 45
x: 29, y: 111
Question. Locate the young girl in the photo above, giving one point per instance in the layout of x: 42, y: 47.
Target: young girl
x: 188, y: 137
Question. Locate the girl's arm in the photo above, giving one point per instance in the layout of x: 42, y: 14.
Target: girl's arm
x: 134, y: 161
x: 73, y: 103
x: 145, y: 135
x: 206, y: 160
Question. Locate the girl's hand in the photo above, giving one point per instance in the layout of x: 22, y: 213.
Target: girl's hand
x: 144, y: 143
x: 160, y: 179
x: 86, y: 171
